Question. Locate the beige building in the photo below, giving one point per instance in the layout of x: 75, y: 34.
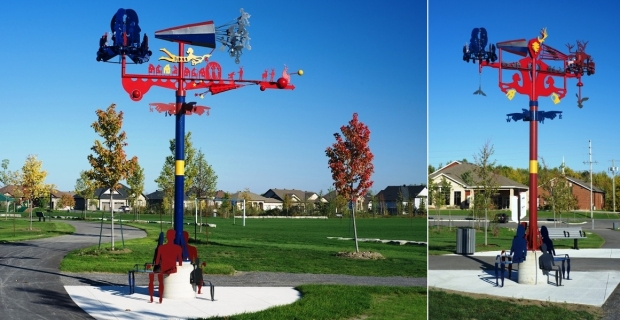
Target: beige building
x: 462, y: 194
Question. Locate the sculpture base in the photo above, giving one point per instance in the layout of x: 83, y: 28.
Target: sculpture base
x: 528, y: 269
x: 176, y: 285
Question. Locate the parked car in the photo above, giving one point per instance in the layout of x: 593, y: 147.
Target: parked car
x: 501, y: 218
x: 124, y: 209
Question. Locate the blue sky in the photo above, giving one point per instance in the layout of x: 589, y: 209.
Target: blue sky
x: 367, y: 57
x: 460, y: 122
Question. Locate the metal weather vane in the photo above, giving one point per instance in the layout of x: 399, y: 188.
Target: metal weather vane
x: 534, y: 77
x: 185, y: 71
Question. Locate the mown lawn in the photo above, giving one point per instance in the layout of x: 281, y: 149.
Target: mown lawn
x: 276, y: 245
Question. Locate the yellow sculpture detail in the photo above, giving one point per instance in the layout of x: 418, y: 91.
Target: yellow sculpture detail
x: 167, y: 69
x: 555, y: 98
x: 536, y: 45
x: 189, y: 58
x: 511, y: 94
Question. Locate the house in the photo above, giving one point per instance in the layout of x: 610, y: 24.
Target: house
x: 256, y: 201
x: 102, y: 199
x: 581, y: 191
x: 297, y: 197
x: 462, y: 193
x: 390, y: 197
x: 361, y: 204
x: 157, y: 198
x: 42, y: 201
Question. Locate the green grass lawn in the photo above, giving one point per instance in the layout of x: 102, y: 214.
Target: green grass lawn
x: 276, y: 245
x: 348, y: 302
x: 573, y: 216
x: 444, y: 305
x: 443, y: 240
x: 19, y: 229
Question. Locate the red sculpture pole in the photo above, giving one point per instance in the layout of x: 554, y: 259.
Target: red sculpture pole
x: 532, y: 234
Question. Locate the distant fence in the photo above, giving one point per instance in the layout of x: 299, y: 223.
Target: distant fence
x: 282, y: 217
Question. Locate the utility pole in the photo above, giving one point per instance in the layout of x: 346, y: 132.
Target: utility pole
x: 590, y: 162
x: 613, y: 170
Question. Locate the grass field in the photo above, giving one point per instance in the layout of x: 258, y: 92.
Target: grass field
x: 443, y: 240
x: 573, y: 216
x: 19, y: 229
x: 445, y: 305
x: 348, y: 302
x: 276, y: 245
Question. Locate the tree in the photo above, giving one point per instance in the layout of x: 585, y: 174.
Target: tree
x: 136, y: 184
x: 165, y: 181
x: 287, y: 203
x: 6, y: 175
x: 435, y: 197
x: 350, y: 161
x: 485, y: 180
x: 204, y: 184
x: 445, y: 188
x: 66, y: 200
x: 30, y: 181
x: 85, y: 188
x: 109, y: 162
x: 557, y: 192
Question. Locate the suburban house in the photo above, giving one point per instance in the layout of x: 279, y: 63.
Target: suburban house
x: 389, y: 198
x: 43, y: 201
x: 581, y: 191
x: 157, y: 198
x: 297, y: 197
x: 462, y: 193
x: 102, y: 199
x: 361, y: 204
x: 256, y: 201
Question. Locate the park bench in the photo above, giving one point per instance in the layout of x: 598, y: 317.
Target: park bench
x: 40, y: 215
x: 574, y: 233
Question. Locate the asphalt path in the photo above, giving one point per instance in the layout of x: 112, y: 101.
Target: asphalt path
x: 30, y: 281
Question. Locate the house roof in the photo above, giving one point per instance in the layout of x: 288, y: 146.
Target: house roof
x: 391, y: 193
x: 8, y: 189
x: 583, y: 184
x: 299, y: 194
x: 4, y: 198
x: 253, y: 197
x: 455, y: 170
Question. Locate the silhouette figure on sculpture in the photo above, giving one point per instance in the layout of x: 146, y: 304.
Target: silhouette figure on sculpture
x: 166, y: 258
x: 518, y: 250
x: 196, y: 276
x: 544, y: 233
x: 545, y: 261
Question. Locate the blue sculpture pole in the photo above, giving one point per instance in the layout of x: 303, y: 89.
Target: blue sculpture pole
x: 179, y: 172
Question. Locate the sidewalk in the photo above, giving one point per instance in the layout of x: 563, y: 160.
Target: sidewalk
x: 591, y: 288
x: 584, y: 287
x: 114, y: 302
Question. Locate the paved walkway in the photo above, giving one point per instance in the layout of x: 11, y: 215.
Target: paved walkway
x: 594, y: 277
x: 32, y: 287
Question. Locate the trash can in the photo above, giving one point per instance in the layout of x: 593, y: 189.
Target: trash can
x: 616, y: 225
x: 465, y: 241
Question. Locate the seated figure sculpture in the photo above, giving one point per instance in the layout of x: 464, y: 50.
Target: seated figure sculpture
x: 544, y: 233
x: 545, y: 261
x: 196, y: 276
x: 518, y: 250
x: 166, y: 258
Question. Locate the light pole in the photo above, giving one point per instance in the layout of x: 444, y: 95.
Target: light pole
x: 613, y: 170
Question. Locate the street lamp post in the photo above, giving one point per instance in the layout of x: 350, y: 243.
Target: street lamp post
x: 613, y: 170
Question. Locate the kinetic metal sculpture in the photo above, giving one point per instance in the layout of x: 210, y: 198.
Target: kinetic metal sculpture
x: 125, y: 41
x: 534, y: 78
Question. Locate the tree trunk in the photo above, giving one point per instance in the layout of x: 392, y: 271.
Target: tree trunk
x: 357, y: 249
x: 112, y: 214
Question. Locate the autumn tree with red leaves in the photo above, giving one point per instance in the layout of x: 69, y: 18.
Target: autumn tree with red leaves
x: 350, y: 161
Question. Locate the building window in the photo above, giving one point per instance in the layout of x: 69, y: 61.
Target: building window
x: 457, y: 198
